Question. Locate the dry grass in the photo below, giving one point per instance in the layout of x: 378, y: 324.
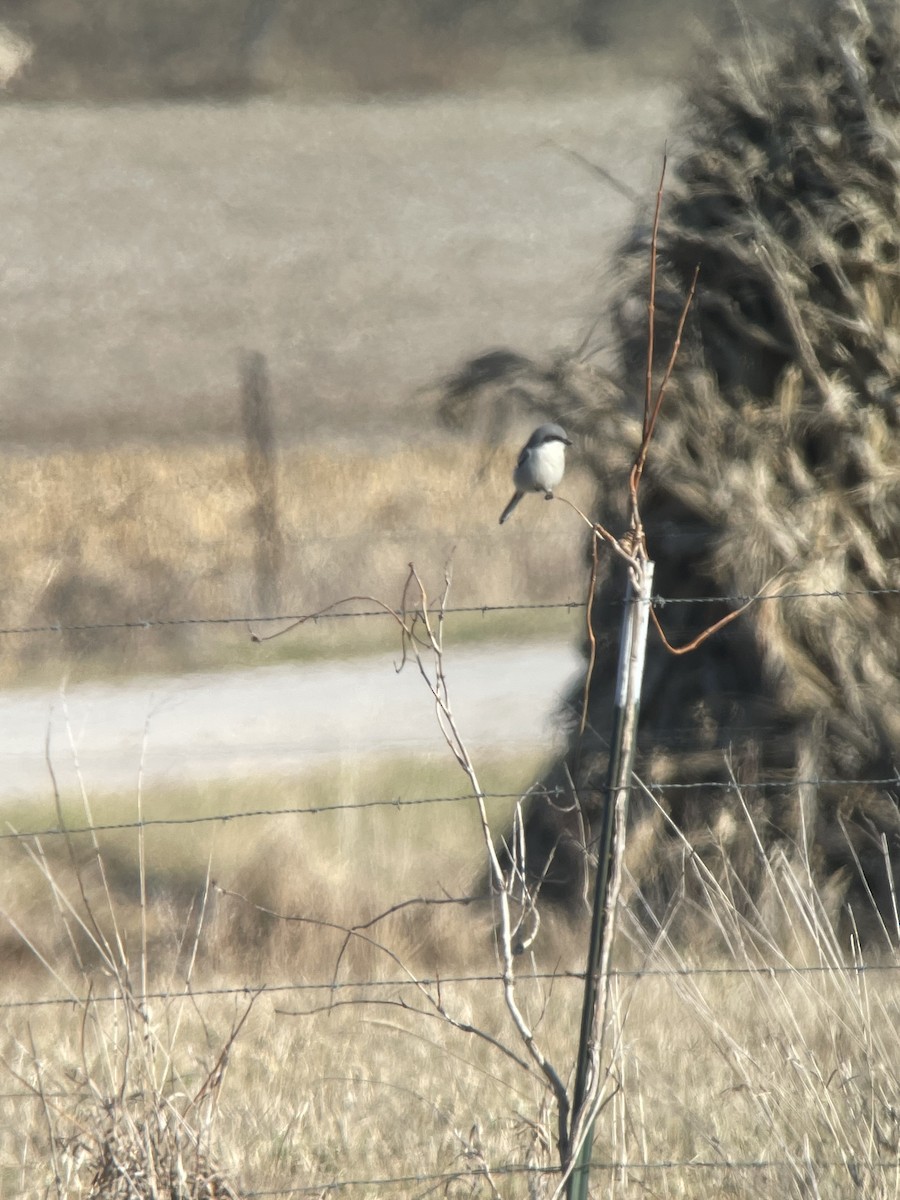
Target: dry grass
x: 167, y: 532
x: 796, y: 1067
x: 287, y: 864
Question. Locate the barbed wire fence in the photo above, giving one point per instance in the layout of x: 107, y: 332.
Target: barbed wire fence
x: 420, y: 624
x: 250, y: 619
x: 364, y: 987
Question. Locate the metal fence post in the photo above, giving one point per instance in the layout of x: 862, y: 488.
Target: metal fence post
x: 623, y: 742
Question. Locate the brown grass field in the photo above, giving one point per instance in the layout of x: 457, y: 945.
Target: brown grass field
x: 165, y: 532
x: 365, y: 249
x: 772, y: 1082
x: 780, y: 1082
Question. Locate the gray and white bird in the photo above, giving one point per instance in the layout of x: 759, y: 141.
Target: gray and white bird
x: 541, y: 465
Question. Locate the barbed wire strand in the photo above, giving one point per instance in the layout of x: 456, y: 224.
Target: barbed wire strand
x: 297, y: 811
x: 413, y: 802
x: 325, y: 1187
x: 659, y: 602
x: 262, y: 619
x: 698, y: 1164
x: 406, y: 981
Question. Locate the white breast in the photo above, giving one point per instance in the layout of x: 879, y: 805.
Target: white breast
x: 550, y: 463
x: 542, y: 468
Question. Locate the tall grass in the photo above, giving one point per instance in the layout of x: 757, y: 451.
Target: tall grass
x: 758, y: 1058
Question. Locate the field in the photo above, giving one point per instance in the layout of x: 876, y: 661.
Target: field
x: 364, y: 249
x: 208, y: 1002
x: 156, y: 533
x: 726, y: 1078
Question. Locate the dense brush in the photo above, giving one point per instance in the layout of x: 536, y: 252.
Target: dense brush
x: 777, y: 455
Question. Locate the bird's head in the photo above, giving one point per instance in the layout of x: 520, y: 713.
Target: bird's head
x: 550, y: 432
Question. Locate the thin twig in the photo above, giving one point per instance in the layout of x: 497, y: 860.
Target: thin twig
x: 416, y: 902
x: 213, y: 1080
x: 322, y: 612
x: 432, y: 999
x: 637, y: 470
x: 720, y: 624
x: 92, y: 929
x: 440, y: 694
x: 607, y: 176
x: 651, y: 302
x: 592, y: 637
x: 601, y: 532
x: 51, y: 1135
x: 438, y: 1012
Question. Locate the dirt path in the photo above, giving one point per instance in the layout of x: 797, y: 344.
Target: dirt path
x: 276, y: 719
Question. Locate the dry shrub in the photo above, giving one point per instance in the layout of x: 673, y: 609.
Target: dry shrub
x: 128, y: 1105
x: 777, y: 455
x: 143, y: 1150
x: 770, y: 1071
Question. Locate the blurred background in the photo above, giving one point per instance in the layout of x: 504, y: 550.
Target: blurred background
x: 244, y: 244
x: 363, y: 201
x: 132, y: 49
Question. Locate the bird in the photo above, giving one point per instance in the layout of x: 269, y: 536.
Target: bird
x: 540, y: 465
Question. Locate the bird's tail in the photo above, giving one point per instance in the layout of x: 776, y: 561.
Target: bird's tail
x: 507, y: 512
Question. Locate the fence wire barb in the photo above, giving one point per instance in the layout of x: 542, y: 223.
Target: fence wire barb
x: 697, y: 1164
x: 413, y: 802
x: 326, y: 1187
x: 659, y: 602
x: 331, y: 985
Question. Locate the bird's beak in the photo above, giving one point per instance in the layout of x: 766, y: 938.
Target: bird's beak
x: 568, y: 441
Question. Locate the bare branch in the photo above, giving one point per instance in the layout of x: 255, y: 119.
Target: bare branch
x: 720, y: 624
x: 637, y: 470
x: 592, y: 637
x: 651, y: 302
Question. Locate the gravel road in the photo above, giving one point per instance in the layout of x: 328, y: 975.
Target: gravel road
x: 276, y: 719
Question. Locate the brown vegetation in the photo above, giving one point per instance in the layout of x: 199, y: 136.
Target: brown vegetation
x: 778, y: 453
x: 154, y: 533
x: 726, y: 1083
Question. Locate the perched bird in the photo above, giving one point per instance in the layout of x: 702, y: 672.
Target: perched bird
x: 541, y: 465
